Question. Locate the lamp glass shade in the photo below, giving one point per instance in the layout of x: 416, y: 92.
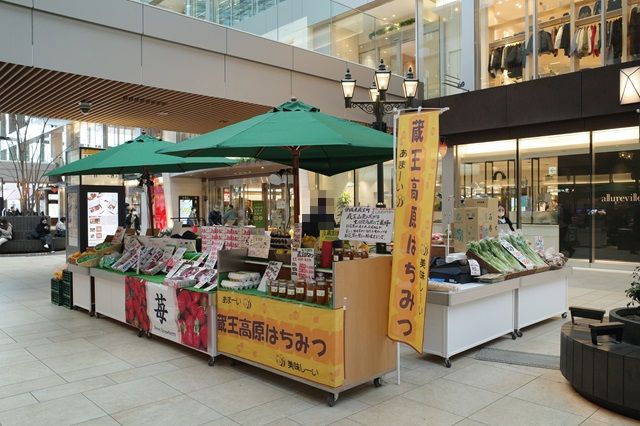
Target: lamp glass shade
x: 410, y: 88
x: 382, y: 80
x: 348, y: 87
x: 374, y: 94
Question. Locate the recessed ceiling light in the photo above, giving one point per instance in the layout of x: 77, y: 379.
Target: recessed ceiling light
x: 384, y: 19
x: 393, y: 16
x: 163, y: 113
x: 497, y: 13
x: 456, y: 9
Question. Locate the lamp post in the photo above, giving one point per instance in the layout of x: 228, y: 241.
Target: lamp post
x: 378, y: 106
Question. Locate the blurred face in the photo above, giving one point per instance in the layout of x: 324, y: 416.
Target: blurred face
x: 501, y: 211
x: 43, y: 221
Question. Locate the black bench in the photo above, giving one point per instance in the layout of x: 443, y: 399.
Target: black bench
x: 23, y: 226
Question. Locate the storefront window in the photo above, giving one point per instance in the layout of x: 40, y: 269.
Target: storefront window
x: 367, y: 183
x: 555, y: 191
x: 488, y: 170
x: 616, y: 209
x: 505, y: 29
x: 554, y: 37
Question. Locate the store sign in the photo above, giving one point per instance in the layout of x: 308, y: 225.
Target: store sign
x: 303, y: 341
x: 416, y: 167
x: 161, y: 309
x: 618, y: 199
x: 259, y: 214
x: 368, y: 224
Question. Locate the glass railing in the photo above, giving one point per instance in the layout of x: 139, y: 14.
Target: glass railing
x: 322, y: 26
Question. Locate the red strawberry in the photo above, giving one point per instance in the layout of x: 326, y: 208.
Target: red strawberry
x: 195, y: 296
x: 188, y: 338
x: 200, y: 315
x: 190, y: 323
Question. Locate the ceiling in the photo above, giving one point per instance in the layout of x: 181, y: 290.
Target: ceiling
x: 54, y: 94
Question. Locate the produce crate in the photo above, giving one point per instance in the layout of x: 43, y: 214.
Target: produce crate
x: 56, y: 291
x: 67, y: 276
x: 66, y: 301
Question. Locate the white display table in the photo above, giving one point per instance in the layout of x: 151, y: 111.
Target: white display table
x: 109, y: 294
x: 82, y: 287
x: 458, y: 321
x: 542, y: 296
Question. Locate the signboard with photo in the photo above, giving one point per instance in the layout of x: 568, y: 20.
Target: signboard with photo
x: 102, y: 216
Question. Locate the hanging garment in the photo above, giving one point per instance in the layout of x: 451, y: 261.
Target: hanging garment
x: 514, y: 60
x: 565, y: 41
x: 545, y: 43
x: 558, y: 40
x: 590, y: 39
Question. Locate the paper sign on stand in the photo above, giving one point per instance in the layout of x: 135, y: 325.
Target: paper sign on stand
x: 296, y: 241
x: 516, y: 253
x: 539, y: 242
x: 303, y: 264
x: 212, y: 259
x: 259, y: 246
x: 271, y: 273
x: 368, y: 224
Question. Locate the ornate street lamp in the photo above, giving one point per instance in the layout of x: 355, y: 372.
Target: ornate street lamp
x: 378, y: 106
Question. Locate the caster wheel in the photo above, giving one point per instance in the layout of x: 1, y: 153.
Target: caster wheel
x: 518, y: 333
x: 98, y: 316
x: 211, y: 362
x: 514, y: 336
x: 377, y: 382
x: 91, y: 314
x: 148, y: 333
x: 447, y: 363
x: 140, y: 333
x: 331, y: 400
x: 564, y: 315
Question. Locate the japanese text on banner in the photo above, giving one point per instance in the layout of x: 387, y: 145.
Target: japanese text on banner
x: 300, y: 340
x: 416, y: 168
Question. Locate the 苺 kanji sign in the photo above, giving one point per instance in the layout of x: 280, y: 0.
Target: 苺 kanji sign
x: 300, y: 340
x: 416, y: 168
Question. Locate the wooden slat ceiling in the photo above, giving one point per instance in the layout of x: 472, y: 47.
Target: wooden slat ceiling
x: 54, y: 94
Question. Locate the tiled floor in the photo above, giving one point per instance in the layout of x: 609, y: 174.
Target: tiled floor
x: 60, y: 367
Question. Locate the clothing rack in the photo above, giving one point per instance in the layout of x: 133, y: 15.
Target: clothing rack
x: 519, y: 38
x: 596, y: 18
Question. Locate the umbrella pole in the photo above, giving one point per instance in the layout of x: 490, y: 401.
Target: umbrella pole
x: 295, y: 154
x: 150, y: 207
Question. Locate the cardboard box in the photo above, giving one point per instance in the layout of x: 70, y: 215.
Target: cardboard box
x: 472, y: 224
x: 489, y: 203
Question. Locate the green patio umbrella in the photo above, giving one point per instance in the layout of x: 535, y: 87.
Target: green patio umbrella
x: 139, y: 155
x: 298, y: 135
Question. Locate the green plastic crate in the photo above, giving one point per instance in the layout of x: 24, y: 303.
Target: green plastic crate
x: 67, y: 276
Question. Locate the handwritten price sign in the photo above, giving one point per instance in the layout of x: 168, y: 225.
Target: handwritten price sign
x: 303, y: 264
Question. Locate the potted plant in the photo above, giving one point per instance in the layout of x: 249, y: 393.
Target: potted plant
x: 630, y: 316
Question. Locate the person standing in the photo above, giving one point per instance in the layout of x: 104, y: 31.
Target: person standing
x: 132, y: 221
x: 502, y: 217
x: 230, y: 216
x: 43, y: 233
x: 6, y: 231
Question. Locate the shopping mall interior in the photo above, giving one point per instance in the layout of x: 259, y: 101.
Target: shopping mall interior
x: 531, y: 133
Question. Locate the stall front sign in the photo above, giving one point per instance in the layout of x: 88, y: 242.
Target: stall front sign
x: 300, y: 340
x: 176, y: 314
x: 416, y: 167
x: 368, y: 224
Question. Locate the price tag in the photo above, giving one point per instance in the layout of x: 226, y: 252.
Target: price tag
x: 519, y: 256
x: 303, y: 264
x: 296, y: 241
x: 212, y: 259
x: 539, y: 242
x: 273, y: 269
x: 475, y: 268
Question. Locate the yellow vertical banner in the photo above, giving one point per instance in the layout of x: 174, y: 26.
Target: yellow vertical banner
x: 416, y: 169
